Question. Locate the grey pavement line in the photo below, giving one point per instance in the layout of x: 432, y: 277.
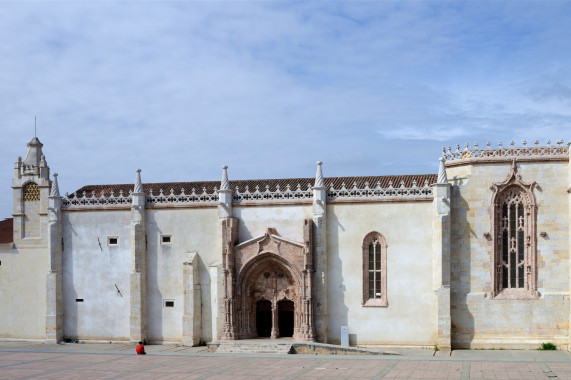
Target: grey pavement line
x: 466, y: 366
x: 386, y: 370
x: 306, y: 370
x: 548, y: 372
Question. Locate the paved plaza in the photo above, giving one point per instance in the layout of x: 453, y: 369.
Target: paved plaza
x: 118, y: 361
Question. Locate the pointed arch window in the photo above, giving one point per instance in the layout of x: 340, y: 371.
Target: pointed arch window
x: 514, y: 225
x: 374, y: 270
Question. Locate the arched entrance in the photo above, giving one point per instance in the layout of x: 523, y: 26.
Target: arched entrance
x: 268, y: 286
x: 286, y: 318
x: 264, y: 318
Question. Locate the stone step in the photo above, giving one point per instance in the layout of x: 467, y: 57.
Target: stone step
x: 254, y: 348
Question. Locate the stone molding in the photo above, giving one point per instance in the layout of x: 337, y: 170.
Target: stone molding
x: 559, y: 152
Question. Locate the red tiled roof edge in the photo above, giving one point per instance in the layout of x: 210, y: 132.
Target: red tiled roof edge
x: 198, y: 186
x: 6, y: 228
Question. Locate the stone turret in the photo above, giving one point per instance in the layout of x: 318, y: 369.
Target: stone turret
x: 31, y: 186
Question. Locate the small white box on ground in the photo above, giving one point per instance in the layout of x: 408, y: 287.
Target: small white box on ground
x: 345, y: 336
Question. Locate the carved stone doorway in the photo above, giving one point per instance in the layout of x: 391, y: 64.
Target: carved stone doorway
x: 286, y: 318
x: 264, y: 318
x: 268, y: 285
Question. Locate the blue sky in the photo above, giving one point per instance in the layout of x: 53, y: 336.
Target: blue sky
x: 180, y: 88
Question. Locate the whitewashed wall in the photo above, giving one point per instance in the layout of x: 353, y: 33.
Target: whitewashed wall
x: 191, y: 230
x: 287, y: 220
x: 411, y: 315
x: 91, y: 272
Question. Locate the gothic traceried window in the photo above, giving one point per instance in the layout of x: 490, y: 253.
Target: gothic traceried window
x: 515, y: 254
x: 31, y: 192
x: 374, y: 270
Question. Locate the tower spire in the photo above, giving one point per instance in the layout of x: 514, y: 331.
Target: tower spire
x: 138, y: 184
x: 224, y: 184
x: 442, y: 177
x: 55, y: 187
x: 319, y: 176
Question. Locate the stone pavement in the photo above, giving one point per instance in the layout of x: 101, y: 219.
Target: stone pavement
x: 118, y: 361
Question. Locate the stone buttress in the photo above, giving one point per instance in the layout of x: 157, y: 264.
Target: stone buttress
x: 138, y: 283
x: 441, y: 255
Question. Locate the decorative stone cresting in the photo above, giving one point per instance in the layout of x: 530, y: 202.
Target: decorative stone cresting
x: 75, y: 200
x: 378, y: 191
x: 268, y: 195
x: 507, y: 152
x: 182, y: 197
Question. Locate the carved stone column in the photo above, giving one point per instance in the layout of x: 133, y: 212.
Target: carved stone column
x: 229, y: 237
x: 307, y: 330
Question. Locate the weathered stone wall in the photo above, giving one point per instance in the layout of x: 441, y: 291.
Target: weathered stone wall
x: 191, y: 230
x: 286, y: 219
x: 98, y: 273
x: 411, y: 315
x: 478, y: 320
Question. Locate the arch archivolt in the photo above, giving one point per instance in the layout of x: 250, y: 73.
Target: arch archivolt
x: 268, y: 268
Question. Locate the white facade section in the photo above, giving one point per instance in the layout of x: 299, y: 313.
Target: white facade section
x: 409, y: 283
x: 97, y: 274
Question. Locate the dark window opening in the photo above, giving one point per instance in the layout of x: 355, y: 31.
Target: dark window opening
x: 79, y: 300
x: 169, y: 303
x: 113, y: 241
x: 165, y: 239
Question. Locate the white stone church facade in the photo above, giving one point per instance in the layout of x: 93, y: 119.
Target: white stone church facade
x: 474, y: 256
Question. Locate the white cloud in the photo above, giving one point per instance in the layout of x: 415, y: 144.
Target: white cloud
x: 180, y: 88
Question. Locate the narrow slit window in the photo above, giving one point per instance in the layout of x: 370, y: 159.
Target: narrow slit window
x: 79, y: 300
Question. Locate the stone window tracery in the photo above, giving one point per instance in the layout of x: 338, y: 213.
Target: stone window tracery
x: 374, y: 270
x: 514, y: 225
x: 31, y: 192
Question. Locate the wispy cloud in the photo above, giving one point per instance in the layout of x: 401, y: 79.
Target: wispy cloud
x: 180, y: 88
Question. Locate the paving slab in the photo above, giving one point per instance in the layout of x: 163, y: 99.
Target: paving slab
x: 119, y: 361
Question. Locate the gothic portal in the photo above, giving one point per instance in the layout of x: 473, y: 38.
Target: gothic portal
x: 268, y: 284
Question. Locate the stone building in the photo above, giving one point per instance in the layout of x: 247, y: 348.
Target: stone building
x: 476, y: 255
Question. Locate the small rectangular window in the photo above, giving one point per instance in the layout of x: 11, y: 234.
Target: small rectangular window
x: 169, y: 303
x: 79, y: 300
x: 165, y: 239
x: 112, y: 240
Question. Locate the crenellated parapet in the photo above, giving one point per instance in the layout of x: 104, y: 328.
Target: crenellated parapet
x: 525, y: 152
